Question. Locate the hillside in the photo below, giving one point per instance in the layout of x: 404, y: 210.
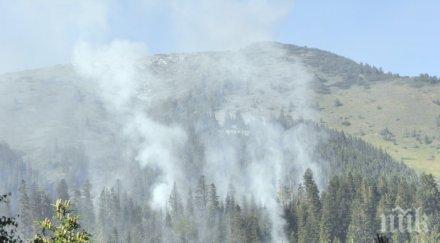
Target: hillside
x: 401, y: 118
x: 49, y: 110
x: 398, y: 114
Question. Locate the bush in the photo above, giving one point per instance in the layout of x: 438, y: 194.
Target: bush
x: 67, y: 229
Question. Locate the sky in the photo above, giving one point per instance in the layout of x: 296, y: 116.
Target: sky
x: 401, y: 36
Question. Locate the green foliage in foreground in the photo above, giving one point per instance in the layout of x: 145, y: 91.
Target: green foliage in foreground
x: 66, y: 228
x: 8, y: 225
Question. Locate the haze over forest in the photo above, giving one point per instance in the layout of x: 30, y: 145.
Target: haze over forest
x: 252, y: 140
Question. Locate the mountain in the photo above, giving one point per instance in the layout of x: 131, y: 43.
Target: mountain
x: 49, y: 114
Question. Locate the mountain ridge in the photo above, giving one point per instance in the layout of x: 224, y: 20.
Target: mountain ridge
x: 54, y: 105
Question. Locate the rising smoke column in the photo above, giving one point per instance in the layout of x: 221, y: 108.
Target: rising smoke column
x: 127, y: 89
x: 276, y: 156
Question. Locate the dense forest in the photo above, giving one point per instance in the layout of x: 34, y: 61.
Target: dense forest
x: 362, y: 185
x: 189, y: 122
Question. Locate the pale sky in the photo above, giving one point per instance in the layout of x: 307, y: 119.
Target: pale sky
x: 402, y: 36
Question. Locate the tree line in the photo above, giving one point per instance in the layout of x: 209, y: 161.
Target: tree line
x: 362, y: 184
x: 348, y: 209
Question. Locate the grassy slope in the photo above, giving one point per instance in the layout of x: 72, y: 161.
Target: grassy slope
x: 396, y: 105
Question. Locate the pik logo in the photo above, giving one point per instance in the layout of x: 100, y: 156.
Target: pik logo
x: 401, y: 220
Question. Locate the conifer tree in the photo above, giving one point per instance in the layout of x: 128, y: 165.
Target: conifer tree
x: 190, y: 203
x: 212, y: 203
x: 175, y: 204
x: 403, y: 201
x: 383, y: 210
x: 362, y: 226
x: 290, y: 217
x: 329, y: 212
x: 429, y: 203
x: 344, y: 200
x: 302, y: 215
x: 429, y: 194
x: 62, y: 190
x: 76, y: 201
x: 103, y: 219
x: 313, y: 207
x: 25, y: 214
x: 201, y: 194
x: 87, y: 208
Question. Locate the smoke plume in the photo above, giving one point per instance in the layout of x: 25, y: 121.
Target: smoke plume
x: 122, y: 75
x: 126, y: 93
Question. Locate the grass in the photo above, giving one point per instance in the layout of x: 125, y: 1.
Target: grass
x: 401, y: 108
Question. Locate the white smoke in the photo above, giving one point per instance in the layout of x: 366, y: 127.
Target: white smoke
x: 277, y: 156
x: 126, y: 93
x: 129, y: 90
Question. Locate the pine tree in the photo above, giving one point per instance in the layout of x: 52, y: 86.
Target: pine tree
x: 190, y: 203
x: 35, y: 203
x: 76, y: 201
x: 290, y: 217
x: 62, y: 190
x: 236, y: 225
x: 25, y: 214
x: 403, y: 200
x: 230, y: 202
x: 344, y: 200
x: 103, y: 220
x: 383, y: 210
x: 175, y: 204
x: 302, y: 215
x: 403, y: 197
x: 313, y: 207
x: 87, y: 208
x: 355, y: 229
x: 329, y: 212
x: 362, y: 227
x: 325, y: 233
x: 212, y: 203
x: 252, y: 228
x: 312, y: 193
x: 115, y: 208
x: 114, y: 237
x: 46, y: 205
x: 201, y: 194
x: 429, y: 202
x: 429, y: 194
